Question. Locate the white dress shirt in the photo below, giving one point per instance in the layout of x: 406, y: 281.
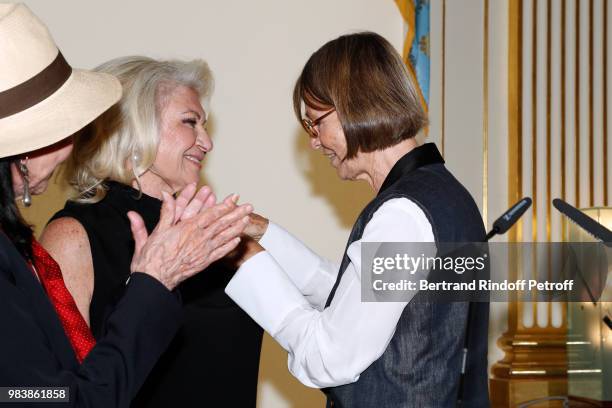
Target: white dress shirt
x: 284, y: 290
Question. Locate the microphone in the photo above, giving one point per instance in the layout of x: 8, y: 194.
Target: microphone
x: 592, y: 227
x: 509, y: 218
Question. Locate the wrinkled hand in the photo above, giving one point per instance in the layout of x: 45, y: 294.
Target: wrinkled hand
x: 176, y: 251
x: 249, y: 246
x: 188, y: 203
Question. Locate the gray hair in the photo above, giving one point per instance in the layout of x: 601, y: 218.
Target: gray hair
x: 122, y: 143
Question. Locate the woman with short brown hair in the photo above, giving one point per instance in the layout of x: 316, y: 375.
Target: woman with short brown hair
x: 362, y: 112
x: 377, y: 103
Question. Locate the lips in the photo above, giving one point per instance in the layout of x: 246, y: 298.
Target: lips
x: 195, y: 159
x: 330, y: 154
x: 331, y: 157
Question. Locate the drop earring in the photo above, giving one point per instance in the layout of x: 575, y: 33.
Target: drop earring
x: 135, y: 163
x: 25, y: 176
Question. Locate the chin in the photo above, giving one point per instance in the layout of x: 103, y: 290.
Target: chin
x: 189, y: 180
x: 39, y: 188
x: 342, y: 174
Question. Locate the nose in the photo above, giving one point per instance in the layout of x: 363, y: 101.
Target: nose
x: 204, y: 141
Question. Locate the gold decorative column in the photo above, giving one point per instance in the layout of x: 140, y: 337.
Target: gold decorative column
x: 557, y: 147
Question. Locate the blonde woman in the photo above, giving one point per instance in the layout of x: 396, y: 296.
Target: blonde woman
x: 45, y: 342
x: 151, y: 143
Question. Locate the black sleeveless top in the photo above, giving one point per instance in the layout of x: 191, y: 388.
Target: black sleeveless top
x: 214, y: 359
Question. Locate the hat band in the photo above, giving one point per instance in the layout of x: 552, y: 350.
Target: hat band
x: 36, y: 89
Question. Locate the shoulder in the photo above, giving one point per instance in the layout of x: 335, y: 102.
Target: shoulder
x: 399, y: 220
x: 64, y: 234
x: 72, y: 214
x: 66, y: 241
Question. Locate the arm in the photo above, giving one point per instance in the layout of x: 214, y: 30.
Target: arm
x: 321, y: 344
x: 63, y: 238
x: 139, y: 330
x: 140, y: 327
x: 311, y: 274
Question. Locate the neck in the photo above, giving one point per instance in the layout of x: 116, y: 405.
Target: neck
x: 152, y: 185
x: 382, y: 161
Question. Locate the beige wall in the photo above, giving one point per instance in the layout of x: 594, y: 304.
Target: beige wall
x: 256, y: 50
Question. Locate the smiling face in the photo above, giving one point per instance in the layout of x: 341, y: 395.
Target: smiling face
x: 331, y: 141
x: 41, y: 164
x: 184, y: 140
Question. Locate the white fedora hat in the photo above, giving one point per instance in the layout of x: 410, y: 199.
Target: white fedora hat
x: 42, y: 99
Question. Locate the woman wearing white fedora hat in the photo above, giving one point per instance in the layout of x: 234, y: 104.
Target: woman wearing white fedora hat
x: 45, y: 341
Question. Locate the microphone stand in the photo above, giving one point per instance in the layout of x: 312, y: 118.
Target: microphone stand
x: 466, y: 342
x: 500, y: 226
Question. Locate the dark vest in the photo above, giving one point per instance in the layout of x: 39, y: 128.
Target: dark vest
x: 422, y: 364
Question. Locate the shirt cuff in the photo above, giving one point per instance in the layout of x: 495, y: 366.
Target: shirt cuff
x: 296, y: 259
x: 262, y: 289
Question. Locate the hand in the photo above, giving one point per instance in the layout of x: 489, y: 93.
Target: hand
x: 188, y: 205
x: 175, y: 252
x: 257, y: 226
x: 244, y: 251
x: 249, y: 246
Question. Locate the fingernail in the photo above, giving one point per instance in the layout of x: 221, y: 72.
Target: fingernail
x: 235, y: 197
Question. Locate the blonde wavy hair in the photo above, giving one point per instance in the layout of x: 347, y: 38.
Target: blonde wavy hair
x: 122, y: 143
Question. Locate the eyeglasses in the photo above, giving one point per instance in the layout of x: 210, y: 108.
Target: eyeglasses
x: 309, y: 125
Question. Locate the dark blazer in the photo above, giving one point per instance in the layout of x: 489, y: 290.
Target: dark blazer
x: 35, y: 351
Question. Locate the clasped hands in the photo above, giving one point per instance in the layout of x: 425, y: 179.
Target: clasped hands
x: 193, y: 231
